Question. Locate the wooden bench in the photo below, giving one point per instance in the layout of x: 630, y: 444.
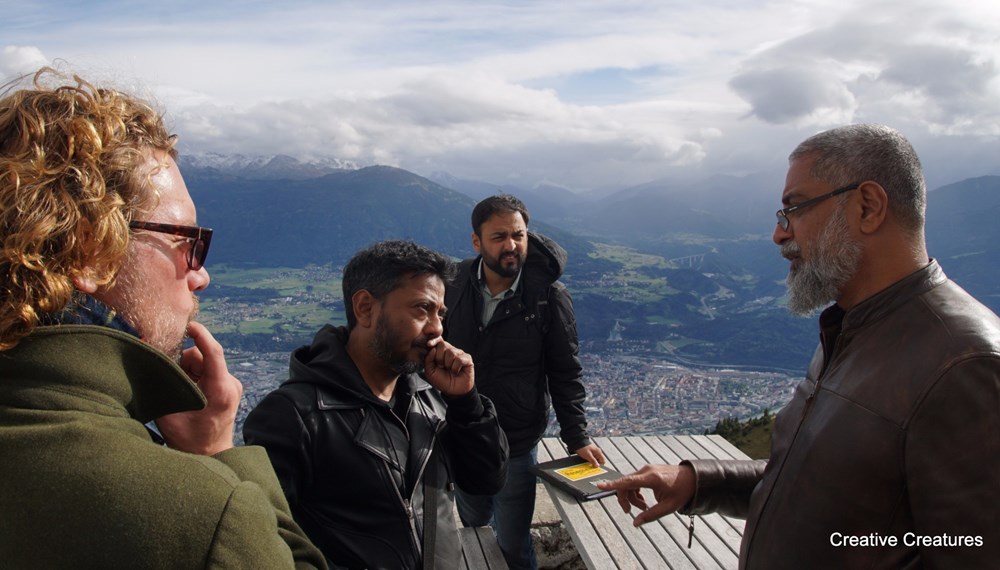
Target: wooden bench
x: 603, y: 533
x: 480, y: 550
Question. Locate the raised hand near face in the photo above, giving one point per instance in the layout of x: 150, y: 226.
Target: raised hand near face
x: 448, y: 369
x: 210, y: 430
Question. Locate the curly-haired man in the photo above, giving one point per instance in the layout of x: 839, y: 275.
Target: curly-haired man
x: 100, y: 260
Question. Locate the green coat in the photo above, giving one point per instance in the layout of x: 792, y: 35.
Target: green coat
x: 84, y: 486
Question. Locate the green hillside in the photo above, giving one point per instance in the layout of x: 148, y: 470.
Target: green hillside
x: 752, y: 437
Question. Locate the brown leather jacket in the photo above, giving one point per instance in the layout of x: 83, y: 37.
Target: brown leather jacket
x: 888, y: 455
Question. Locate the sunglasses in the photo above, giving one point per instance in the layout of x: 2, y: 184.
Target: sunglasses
x: 200, y: 239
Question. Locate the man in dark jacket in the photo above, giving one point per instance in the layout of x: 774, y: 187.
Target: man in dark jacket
x: 888, y: 454
x: 100, y: 261
x: 510, y: 312
x: 368, y: 452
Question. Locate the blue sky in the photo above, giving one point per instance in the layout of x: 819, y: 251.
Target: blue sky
x: 586, y: 94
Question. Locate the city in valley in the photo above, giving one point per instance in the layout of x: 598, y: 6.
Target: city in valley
x: 627, y: 394
x: 632, y: 388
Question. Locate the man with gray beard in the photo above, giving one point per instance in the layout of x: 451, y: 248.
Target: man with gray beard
x: 887, y: 455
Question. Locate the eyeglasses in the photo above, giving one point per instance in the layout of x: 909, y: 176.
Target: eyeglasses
x: 782, y: 214
x: 200, y: 239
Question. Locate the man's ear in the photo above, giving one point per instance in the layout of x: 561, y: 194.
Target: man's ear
x: 364, y: 303
x: 874, y: 206
x: 475, y: 242
x: 85, y: 282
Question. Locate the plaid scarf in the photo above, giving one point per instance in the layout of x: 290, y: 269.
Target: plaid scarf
x: 86, y: 310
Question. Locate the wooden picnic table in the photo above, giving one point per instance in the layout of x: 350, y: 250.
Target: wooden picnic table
x: 480, y: 550
x: 603, y: 533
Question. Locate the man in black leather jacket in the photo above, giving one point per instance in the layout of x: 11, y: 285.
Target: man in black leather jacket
x: 508, y: 310
x: 368, y: 453
x: 888, y: 455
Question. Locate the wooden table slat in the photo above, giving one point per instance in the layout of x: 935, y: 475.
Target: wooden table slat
x: 669, y: 533
x: 585, y: 538
x: 610, y: 528
x: 731, y: 450
x: 728, y: 528
x: 707, y: 550
x: 491, y: 548
x: 480, y: 550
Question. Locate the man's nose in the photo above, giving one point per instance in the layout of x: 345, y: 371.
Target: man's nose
x: 781, y: 235
x: 198, y: 280
x: 435, y: 326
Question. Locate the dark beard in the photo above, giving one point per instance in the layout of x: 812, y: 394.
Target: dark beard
x: 500, y: 269
x: 383, y: 343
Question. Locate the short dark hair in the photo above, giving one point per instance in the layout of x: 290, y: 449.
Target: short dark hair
x: 496, y: 203
x: 382, y: 267
x: 856, y: 153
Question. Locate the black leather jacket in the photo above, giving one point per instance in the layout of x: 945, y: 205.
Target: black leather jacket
x: 337, y: 450
x: 894, y: 435
x: 525, y: 354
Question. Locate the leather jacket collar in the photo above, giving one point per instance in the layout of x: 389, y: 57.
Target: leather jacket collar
x: 897, y: 294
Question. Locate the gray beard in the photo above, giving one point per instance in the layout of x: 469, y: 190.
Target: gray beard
x: 834, y: 261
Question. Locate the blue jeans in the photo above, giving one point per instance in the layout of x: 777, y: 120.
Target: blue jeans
x: 509, y: 512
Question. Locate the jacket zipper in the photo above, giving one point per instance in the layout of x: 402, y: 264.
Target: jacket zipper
x: 407, y: 503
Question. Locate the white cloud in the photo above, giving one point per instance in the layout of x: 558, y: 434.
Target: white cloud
x: 18, y: 60
x: 799, y: 95
x: 583, y: 95
x: 872, y: 63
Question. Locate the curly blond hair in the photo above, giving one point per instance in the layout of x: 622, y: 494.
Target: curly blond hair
x: 70, y: 183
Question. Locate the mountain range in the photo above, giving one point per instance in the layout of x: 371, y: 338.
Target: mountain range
x: 687, y: 269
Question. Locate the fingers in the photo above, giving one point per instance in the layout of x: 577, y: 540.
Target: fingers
x: 205, y: 364
x: 450, y: 358
x: 209, y: 357
x: 670, y: 494
x: 210, y: 430
x: 592, y: 454
x: 445, y: 356
x: 633, y: 496
x: 448, y: 369
x: 651, y: 514
x: 192, y: 363
x: 623, y: 501
x: 632, y: 482
x: 628, y: 498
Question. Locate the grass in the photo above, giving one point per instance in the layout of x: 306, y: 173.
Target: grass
x: 628, y: 257
x: 752, y: 437
x: 304, y: 299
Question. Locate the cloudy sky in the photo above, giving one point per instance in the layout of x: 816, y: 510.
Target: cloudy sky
x: 584, y: 94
